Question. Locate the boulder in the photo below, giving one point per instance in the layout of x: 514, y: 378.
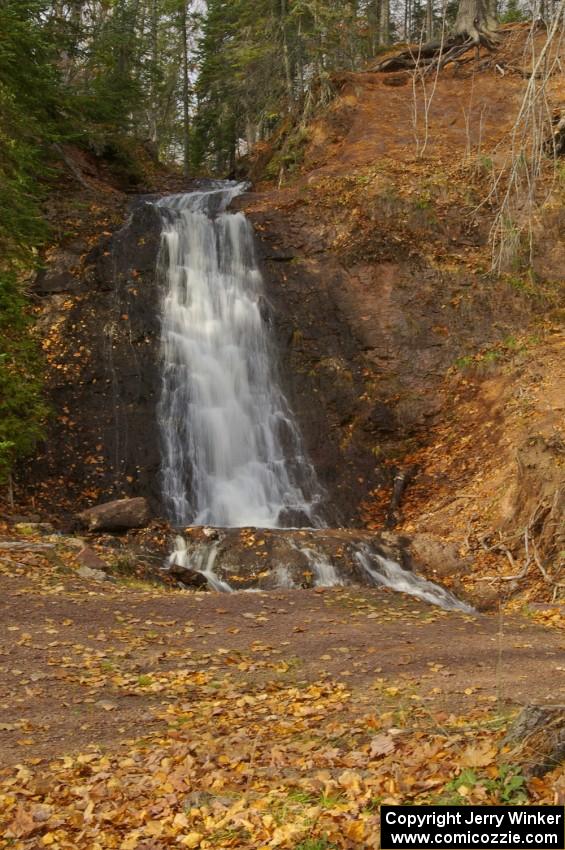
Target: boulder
x: 87, y: 557
x: 437, y: 557
x: 73, y: 542
x: 118, y: 515
x: 95, y: 575
x: 188, y: 577
x: 61, y: 275
x: 485, y: 599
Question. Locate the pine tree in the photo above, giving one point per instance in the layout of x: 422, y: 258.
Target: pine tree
x: 28, y: 97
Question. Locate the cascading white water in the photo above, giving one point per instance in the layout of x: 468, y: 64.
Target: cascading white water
x: 325, y: 573
x: 383, y: 571
x: 203, y: 562
x: 232, y: 453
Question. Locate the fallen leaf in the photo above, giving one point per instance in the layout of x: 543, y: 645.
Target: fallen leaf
x: 478, y: 756
x: 23, y: 824
x: 381, y: 745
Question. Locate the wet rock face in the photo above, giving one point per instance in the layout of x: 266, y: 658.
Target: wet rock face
x: 101, y: 328
x: 101, y: 323
x: 269, y: 558
x: 321, y: 369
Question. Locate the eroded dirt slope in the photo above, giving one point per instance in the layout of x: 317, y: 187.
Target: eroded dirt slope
x: 402, y: 353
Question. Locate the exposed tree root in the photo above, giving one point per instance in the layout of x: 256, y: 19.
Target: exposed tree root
x: 437, y: 54
x: 531, y: 551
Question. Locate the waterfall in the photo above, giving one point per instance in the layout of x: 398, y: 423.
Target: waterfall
x: 232, y: 453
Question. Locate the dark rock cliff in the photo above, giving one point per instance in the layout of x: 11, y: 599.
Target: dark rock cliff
x: 100, y: 324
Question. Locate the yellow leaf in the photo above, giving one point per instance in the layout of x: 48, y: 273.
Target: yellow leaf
x: 88, y: 812
x: 23, y: 823
x: 283, y: 834
x: 351, y: 781
x: 355, y: 831
x: 180, y: 821
x: 154, y: 828
x: 478, y: 756
x: 193, y: 839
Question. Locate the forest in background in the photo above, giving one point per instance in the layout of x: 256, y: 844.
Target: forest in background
x: 189, y: 84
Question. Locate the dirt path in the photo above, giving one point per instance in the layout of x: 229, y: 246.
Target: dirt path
x: 134, y: 718
x: 88, y: 663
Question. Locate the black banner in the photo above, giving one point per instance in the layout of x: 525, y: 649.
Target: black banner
x: 476, y: 827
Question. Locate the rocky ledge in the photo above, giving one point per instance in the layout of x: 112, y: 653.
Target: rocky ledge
x: 264, y: 559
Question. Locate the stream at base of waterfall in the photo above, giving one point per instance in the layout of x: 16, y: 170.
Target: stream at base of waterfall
x: 232, y: 451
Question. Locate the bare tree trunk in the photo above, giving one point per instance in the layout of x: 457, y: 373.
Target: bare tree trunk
x: 407, y: 20
x: 352, y: 31
x: 384, y: 23
x: 153, y: 118
x: 286, y: 56
x: 430, y: 19
x: 185, y: 91
x: 476, y: 20
x: 300, y: 60
x: 373, y: 18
